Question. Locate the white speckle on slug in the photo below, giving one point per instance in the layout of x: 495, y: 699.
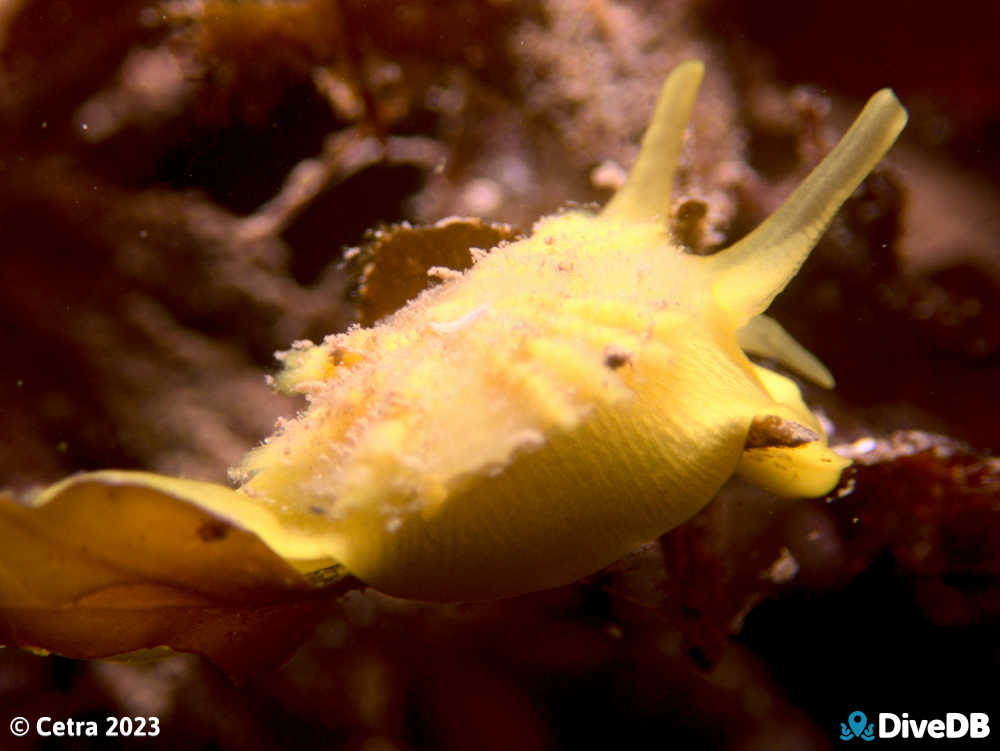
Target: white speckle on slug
x: 450, y: 327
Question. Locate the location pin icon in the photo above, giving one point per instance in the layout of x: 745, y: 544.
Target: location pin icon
x: 857, y: 721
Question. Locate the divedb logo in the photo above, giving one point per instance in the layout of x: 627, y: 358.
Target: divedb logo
x: 975, y: 725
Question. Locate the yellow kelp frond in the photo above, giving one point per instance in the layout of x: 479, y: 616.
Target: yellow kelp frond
x: 111, y: 562
x: 646, y: 193
x: 764, y: 336
x: 268, y: 524
x: 754, y: 270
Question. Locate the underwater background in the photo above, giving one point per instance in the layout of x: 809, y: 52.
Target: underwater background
x: 178, y: 182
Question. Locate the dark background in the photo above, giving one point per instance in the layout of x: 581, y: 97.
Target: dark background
x: 153, y: 261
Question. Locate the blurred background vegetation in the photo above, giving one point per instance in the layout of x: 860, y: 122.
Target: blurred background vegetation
x: 178, y: 181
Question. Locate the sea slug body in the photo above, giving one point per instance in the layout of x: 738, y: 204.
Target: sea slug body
x: 568, y: 397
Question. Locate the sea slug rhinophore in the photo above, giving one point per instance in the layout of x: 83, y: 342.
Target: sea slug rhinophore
x: 568, y: 397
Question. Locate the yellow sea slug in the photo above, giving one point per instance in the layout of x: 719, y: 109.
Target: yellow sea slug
x: 568, y: 397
